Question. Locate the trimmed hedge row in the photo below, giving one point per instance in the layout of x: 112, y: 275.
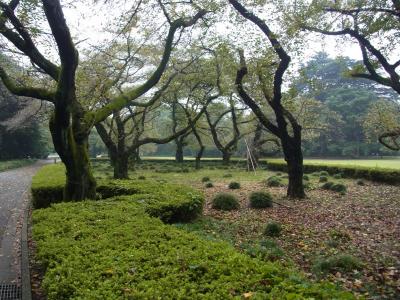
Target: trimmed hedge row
x: 111, y: 249
x: 116, y: 249
x: 373, y: 174
x: 170, y: 203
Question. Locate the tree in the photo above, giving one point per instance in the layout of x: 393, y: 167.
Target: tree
x: 180, y: 141
x: 128, y: 130
x: 71, y: 123
x: 382, y: 118
x: 373, y: 24
x: 220, y: 133
x: 343, y: 100
x: 290, y: 138
x: 261, y: 138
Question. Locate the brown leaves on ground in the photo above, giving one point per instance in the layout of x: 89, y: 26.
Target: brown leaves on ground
x: 364, y: 223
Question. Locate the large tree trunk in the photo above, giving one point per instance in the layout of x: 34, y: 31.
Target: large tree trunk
x: 199, y: 156
x: 226, y: 157
x: 294, y: 160
x: 179, y: 152
x: 72, y: 146
x: 121, y: 166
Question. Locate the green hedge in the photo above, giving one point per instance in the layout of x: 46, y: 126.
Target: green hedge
x: 170, y: 203
x: 373, y: 174
x: 15, y: 163
x: 111, y: 249
x: 47, y: 185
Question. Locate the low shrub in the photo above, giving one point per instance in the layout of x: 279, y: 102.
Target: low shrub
x: 15, y: 163
x: 225, y: 201
x: 234, y: 185
x: 273, y: 229
x: 327, y: 185
x: 306, y: 178
x: 335, y: 187
x: 142, y: 177
x: 169, y: 202
x: 323, y: 179
x: 333, y: 264
x: 260, y: 200
x: 205, y: 179
x: 339, y: 188
x: 337, y: 176
x: 373, y: 174
x: 47, y: 189
x: 274, y: 181
x: 360, y: 182
x: 266, y: 250
x: 227, y: 175
x: 209, y: 185
x: 111, y: 249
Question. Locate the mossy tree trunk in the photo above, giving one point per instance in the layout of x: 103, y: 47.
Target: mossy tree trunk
x: 70, y: 123
x: 121, y: 167
x: 71, y: 143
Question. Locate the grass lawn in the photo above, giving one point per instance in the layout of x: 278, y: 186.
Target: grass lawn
x: 350, y: 238
x: 15, y: 163
x: 386, y: 163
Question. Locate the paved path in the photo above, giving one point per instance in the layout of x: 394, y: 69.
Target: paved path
x: 14, y: 196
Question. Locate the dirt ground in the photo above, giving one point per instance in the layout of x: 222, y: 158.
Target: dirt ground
x: 365, y: 223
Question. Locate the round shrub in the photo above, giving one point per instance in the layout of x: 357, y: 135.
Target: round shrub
x: 306, y: 178
x: 341, y: 262
x: 339, y: 187
x: 205, y: 179
x: 234, y: 185
x: 306, y: 184
x: 274, y: 181
x: 225, y: 201
x: 323, y: 179
x: 273, y: 229
x: 142, y: 177
x: 260, y: 200
x: 337, y: 176
x: 209, y: 185
x: 323, y: 173
x: 327, y: 185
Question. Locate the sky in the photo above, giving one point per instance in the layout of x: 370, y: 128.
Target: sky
x: 86, y: 22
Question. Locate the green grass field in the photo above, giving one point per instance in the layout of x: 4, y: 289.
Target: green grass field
x: 386, y: 163
x: 393, y: 163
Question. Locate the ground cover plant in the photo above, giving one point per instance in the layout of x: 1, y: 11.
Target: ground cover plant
x: 260, y: 200
x: 366, y: 170
x: 15, y: 163
x: 367, y: 214
x: 115, y: 248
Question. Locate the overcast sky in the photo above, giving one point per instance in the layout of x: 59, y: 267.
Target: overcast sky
x: 86, y: 24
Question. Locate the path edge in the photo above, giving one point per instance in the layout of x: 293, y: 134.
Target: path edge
x: 25, y: 272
